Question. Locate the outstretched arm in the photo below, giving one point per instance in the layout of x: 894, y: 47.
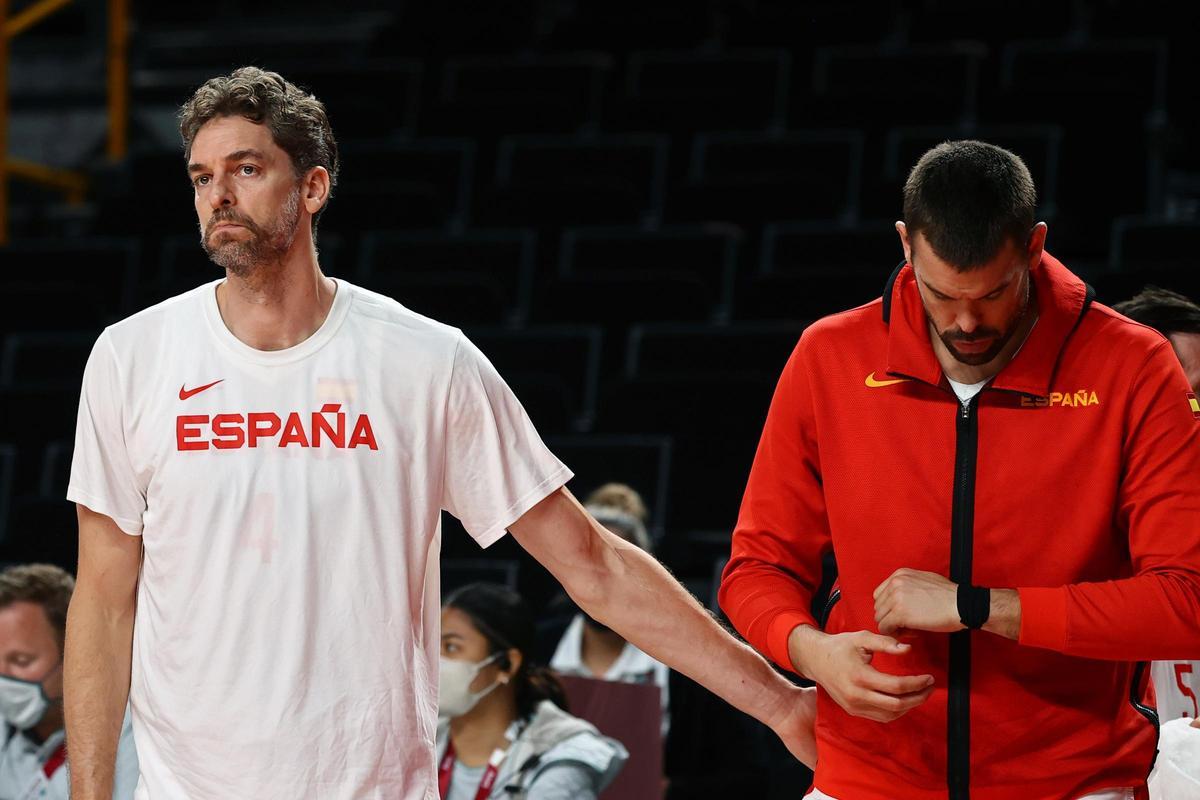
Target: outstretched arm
x: 626, y: 589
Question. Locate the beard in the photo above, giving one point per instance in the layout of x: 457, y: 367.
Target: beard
x: 267, y: 244
x: 952, y: 337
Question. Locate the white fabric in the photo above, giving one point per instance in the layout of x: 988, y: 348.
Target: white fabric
x: 966, y: 391
x: 632, y: 666
x: 1176, y: 688
x: 22, y: 776
x: 1114, y: 794
x: 287, y: 631
x: 1176, y: 774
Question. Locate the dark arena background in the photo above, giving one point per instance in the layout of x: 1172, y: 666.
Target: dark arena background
x: 632, y: 206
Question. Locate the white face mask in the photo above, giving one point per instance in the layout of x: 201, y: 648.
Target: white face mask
x: 23, y: 704
x: 455, y: 697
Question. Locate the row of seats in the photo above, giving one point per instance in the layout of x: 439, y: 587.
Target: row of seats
x: 685, y: 90
x: 612, y: 275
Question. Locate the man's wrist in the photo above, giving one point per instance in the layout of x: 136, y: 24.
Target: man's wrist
x: 1004, y: 618
x: 801, y: 642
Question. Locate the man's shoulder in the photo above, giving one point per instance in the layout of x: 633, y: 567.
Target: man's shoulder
x: 138, y: 328
x: 1114, y: 333
x: 852, y: 329
x: 395, y: 319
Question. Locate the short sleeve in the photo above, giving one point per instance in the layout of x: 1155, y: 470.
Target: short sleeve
x: 496, y: 465
x: 102, y: 475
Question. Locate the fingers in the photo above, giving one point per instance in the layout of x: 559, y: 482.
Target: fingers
x: 876, y: 643
x: 886, y: 707
x: 876, y: 681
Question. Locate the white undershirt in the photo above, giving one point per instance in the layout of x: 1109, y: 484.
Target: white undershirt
x: 966, y: 391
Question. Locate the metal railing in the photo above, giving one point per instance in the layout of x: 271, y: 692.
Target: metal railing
x: 71, y: 183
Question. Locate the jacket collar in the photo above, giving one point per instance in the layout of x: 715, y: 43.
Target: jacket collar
x: 1062, y: 300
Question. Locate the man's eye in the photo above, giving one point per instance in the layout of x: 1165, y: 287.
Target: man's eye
x: 200, y: 181
x: 249, y: 169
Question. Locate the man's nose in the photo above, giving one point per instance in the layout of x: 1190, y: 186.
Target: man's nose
x: 967, y: 320
x: 221, y: 194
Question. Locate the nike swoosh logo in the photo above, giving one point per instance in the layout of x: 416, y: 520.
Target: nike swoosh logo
x: 184, y: 394
x: 874, y: 384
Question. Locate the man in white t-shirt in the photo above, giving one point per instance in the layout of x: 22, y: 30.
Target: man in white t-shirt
x: 260, y: 467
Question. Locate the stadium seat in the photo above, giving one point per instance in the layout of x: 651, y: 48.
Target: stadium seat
x: 689, y: 91
x: 473, y: 278
x: 550, y: 181
x: 872, y: 86
x: 493, y: 95
x: 8, y: 459
x: 56, y: 468
x: 422, y: 184
x: 1146, y: 244
x: 52, y: 360
x: 748, y: 178
x: 553, y: 370
x: 641, y: 461
x: 622, y: 275
x: 86, y: 282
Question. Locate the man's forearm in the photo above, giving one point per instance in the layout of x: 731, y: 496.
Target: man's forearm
x: 1004, y: 617
x: 96, y: 673
x: 626, y: 589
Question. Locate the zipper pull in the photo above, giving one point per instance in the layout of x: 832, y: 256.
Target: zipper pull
x: 966, y: 408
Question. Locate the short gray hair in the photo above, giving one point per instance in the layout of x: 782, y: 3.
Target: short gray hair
x: 621, y: 522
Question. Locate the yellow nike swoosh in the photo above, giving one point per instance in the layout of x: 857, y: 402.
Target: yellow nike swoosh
x: 874, y: 384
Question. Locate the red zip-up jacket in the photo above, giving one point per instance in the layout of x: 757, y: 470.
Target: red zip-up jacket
x: 1074, y: 477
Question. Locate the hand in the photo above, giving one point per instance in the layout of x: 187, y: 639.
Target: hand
x: 1195, y: 723
x: 922, y: 601
x: 841, y: 664
x: 796, y: 723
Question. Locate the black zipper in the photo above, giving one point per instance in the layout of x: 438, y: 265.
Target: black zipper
x: 1151, y: 714
x: 834, y: 596
x: 962, y: 534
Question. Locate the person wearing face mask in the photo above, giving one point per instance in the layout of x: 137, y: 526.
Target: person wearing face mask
x: 33, y: 612
x: 589, y: 649
x: 503, y: 729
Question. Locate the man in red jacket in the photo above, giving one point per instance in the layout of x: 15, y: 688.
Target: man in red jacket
x: 1006, y: 473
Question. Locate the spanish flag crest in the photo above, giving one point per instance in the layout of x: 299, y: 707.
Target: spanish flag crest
x: 1194, y: 403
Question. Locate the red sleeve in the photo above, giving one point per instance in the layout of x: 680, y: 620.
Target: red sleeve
x: 1154, y: 615
x: 782, y: 532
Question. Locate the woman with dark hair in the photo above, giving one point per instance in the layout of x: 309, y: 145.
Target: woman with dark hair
x: 503, y: 729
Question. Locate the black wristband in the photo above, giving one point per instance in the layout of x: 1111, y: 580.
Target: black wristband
x: 974, y: 605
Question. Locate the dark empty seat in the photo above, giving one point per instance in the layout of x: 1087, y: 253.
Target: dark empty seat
x: 751, y: 350
x: 42, y: 530
x: 1144, y: 244
x: 809, y: 270
x: 421, y: 184
x: 45, y: 360
x: 479, y: 277
x: 619, y: 24
x: 546, y: 181
x: 56, y: 468
x: 79, y: 282
x: 640, y: 461
x: 618, y: 276
x: 520, y: 94
x: 553, y: 371
x: 752, y: 177
x: 799, y: 26
x: 8, y: 460
x: 687, y: 91
x: 857, y: 85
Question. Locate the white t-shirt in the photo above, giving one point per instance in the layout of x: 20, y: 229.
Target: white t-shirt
x: 1176, y: 688
x: 287, y: 631
x: 966, y: 391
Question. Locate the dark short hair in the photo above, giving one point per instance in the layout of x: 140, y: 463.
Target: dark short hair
x: 296, y: 119
x: 504, y: 619
x: 46, y: 585
x: 1161, y: 309
x: 968, y: 198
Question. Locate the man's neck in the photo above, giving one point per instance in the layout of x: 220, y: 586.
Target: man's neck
x: 599, y: 650
x: 481, y: 730
x: 51, y: 724
x: 277, y: 306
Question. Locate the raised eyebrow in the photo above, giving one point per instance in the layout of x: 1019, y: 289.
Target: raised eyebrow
x: 236, y: 155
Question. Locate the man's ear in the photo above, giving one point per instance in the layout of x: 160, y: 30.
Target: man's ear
x: 315, y: 190
x: 905, y: 244
x: 1037, y: 244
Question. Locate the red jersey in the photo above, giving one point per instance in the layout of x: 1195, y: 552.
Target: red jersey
x: 1072, y: 477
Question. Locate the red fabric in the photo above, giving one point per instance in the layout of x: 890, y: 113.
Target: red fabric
x: 1088, y: 505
